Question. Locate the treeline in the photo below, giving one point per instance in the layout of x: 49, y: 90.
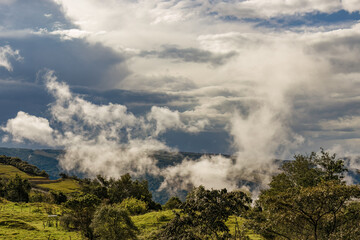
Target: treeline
x: 23, y: 166
x: 309, y: 199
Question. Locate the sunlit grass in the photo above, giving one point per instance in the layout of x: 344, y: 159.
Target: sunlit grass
x: 31, y: 221
x: 65, y: 186
x: 8, y: 171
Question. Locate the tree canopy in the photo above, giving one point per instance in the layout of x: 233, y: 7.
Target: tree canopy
x: 308, y: 200
x: 204, y: 213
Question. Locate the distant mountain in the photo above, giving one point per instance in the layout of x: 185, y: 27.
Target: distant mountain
x: 47, y: 159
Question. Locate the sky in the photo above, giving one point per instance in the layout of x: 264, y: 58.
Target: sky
x: 258, y: 79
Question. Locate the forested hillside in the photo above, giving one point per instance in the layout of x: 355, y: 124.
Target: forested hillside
x: 47, y: 159
x: 308, y: 199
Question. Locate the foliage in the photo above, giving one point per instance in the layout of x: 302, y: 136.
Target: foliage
x: 204, y: 213
x: 307, y: 201
x: 23, y: 166
x: 113, y: 222
x: 134, y: 206
x: 15, y: 189
x: 58, y: 197
x: 39, y: 197
x: 117, y: 190
x: 80, y: 213
x: 173, y: 203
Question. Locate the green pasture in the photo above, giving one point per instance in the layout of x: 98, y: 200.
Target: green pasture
x: 65, y: 186
x: 32, y: 221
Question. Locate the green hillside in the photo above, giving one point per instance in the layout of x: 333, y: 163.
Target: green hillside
x: 31, y: 221
x: 63, y: 185
x: 46, y: 159
x: 7, y: 171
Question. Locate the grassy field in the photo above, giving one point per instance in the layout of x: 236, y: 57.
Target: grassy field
x: 65, y: 186
x: 238, y: 222
x: 149, y: 223
x: 31, y: 221
x: 8, y: 171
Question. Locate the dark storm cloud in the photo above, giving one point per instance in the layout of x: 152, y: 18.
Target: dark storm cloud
x: 34, y: 14
x: 30, y: 98
x: 75, y: 61
x: 311, y: 113
x: 190, y: 55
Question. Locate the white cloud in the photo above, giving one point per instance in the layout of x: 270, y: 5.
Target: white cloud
x: 209, y: 171
x: 7, y: 2
x: 6, y: 53
x: 351, y: 5
x: 165, y: 119
x: 68, y: 34
x: 98, y: 139
x: 347, y: 123
x: 32, y: 128
x: 251, y: 95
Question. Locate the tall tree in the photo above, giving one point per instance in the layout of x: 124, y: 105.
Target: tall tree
x: 113, y: 223
x: 17, y: 189
x: 204, y: 213
x: 308, y: 200
x: 80, y: 212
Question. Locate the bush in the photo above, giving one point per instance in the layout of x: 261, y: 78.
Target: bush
x: 134, y: 206
x: 39, y: 197
x: 113, y: 222
x: 58, y: 197
x: 172, y: 203
x: 17, y: 189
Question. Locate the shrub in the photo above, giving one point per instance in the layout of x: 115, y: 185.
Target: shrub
x: 134, y: 206
x: 172, y: 203
x: 113, y: 222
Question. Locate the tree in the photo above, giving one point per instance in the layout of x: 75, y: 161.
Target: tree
x: 17, y: 189
x: 204, y: 213
x: 113, y: 223
x: 134, y: 206
x: 172, y: 203
x: 308, y: 200
x: 80, y: 213
x: 58, y: 197
x: 116, y: 190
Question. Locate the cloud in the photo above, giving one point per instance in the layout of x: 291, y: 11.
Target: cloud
x: 190, y: 55
x: 273, y: 91
x: 98, y: 139
x: 349, y: 123
x: 209, y: 171
x: 31, y: 128
x: 68, y: 34
x: 6, y: 53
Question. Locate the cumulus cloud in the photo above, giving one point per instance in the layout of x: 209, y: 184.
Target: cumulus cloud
x: 209, y: 171
x: 6, y: 53
x: 270, y: 90
x: 98, y: 139
x: 32, y: 128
